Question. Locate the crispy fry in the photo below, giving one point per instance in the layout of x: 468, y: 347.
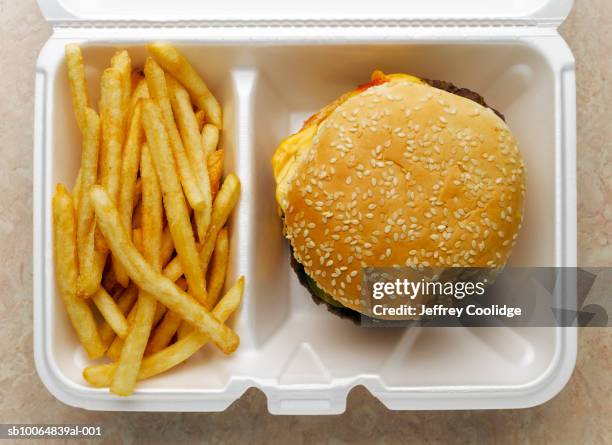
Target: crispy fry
x: 218, y: 268
x: 188, y: 127
x: 125, y: 301
x: 174, y: 202
x: 111, y: 312
x: 133, y: 349
x: 78, y: 83
x: 158, y: 89
x: 64, y: 243
x: 111, y: 117
x: 201, y: 118
x: 129, y: 173
x: 210, y: 138
x: 91, y: 261
x: 215, y: 171
x: 123, y: 64
x: 176, y: 64
x: 145, y: 276
x: 167, y: 358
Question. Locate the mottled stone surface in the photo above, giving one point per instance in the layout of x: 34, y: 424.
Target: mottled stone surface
x: 580, y: 414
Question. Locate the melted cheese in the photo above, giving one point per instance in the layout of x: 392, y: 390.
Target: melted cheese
x: 285, y: 160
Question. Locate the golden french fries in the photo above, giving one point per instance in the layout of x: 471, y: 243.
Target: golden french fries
x: 149, y: 163
x: 145, y: 276
x: 111, y: 116
x: 123, y: 64
x: 188, y: 127
x: 169, y: 357
x: 78, y: 83
x: 158, y: 89
x: 64, y: 239
x: 222, y: 207
x: 174, y: 203
x: 114, y: 350
x: 170, y: 59
x: 218, y: 268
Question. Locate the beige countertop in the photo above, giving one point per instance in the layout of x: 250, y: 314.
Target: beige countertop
x: 581, y: 413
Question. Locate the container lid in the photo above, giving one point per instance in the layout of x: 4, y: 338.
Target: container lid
x: 304, y: 12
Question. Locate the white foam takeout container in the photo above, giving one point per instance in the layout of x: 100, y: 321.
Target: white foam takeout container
x: 271, y: 63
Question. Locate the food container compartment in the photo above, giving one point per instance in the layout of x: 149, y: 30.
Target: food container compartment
x: 269, y: 80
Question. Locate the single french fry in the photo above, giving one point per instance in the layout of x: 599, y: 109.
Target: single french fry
x: 125, y: 301
x: 188, y: 127
x: 91, y: 261
x: 135, y: 343
x: 175, y: 354
x: 158, y: 89
x: 111, y: 117
x: 78, y: 83
x: 166, y: 329
x: 201, y: 118
x: 111, y: 312
x: 145, y: 276
x: 215, y: 171
x: 210, y: 138
x: 174, y: 202
x: 176, y: 64
x: 218, y: 268
x: 123, y: 64
x: 64, y: 244
x: 129, y: 173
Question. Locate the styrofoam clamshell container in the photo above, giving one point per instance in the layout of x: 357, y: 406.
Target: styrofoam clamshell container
x: 271, y: 63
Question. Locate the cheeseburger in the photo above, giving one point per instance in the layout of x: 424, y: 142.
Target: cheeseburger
x: 399, y: 172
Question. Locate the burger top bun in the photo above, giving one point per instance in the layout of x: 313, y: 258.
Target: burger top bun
x: 404, y: 174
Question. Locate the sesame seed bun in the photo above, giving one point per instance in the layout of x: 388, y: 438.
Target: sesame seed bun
x: 403, y: 174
